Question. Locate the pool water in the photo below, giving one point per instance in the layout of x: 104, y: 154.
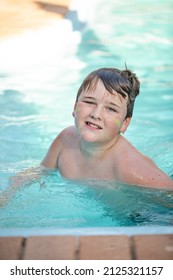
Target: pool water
x: 52, y: 201
x: 37, y: 92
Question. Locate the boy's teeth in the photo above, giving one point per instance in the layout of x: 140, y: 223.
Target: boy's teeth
x: 93, y: 125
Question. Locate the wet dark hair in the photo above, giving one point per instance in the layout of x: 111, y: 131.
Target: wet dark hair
x: 123, y: 82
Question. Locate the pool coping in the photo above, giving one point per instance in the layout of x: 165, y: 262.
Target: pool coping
x: 86, y: 231
x: 99, y: 247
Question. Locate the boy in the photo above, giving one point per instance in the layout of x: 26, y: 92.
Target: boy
x: 95, y: 147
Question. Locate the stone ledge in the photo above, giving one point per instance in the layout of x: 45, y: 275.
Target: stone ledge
x: 112, y: 247
x: 50, y: 248
x: 11, y: 248
x: 105, y: 247
x: 153, y: 247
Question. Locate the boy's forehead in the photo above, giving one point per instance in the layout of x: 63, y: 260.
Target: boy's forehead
x: 99, y: 91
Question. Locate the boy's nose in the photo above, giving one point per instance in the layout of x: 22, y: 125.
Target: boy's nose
x: 96, y: 113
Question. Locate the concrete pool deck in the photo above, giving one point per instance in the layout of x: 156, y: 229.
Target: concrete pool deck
x: 18, y: 16
x: 110, y: 247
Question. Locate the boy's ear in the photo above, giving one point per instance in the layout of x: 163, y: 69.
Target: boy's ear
x: 74, y: 109
x: 125, y: 124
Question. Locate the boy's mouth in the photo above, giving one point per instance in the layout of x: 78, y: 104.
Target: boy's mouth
x: 93, y: 125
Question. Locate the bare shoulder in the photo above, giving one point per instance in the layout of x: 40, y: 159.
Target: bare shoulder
x: 136, y: 168
x: 64, y: 138
x: 66, y: 135
x: 68, y: 132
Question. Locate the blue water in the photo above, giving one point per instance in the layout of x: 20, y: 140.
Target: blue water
x: 36, y: 98
x: 55, y: 202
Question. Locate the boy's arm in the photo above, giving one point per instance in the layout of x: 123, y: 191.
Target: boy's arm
x: 31, y: 174
x: 51, y: 158
x: 135, y: 168
x: 146, y: 173
x: 19, y: 180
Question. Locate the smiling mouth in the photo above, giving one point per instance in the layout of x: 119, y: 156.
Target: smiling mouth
x: 93, y: 125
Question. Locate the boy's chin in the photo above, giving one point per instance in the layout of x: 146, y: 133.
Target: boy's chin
x: 89, y: 137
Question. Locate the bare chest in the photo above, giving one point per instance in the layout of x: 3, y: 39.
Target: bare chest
x: 74, y: 166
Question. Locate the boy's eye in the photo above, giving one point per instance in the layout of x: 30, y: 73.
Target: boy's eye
x: 111, y: 109
x: 88, y: 102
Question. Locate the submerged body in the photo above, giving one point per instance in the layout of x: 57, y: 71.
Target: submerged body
x: 95, y: 148
x: 122, y: 162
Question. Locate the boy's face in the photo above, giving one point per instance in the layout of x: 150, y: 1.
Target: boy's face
x: 100, y: 115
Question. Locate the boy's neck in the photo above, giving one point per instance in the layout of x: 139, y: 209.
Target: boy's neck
x: 96, y: 150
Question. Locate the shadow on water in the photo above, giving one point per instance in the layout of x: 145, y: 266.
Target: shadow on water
x: 12, y: 104
x: 91, y: 51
